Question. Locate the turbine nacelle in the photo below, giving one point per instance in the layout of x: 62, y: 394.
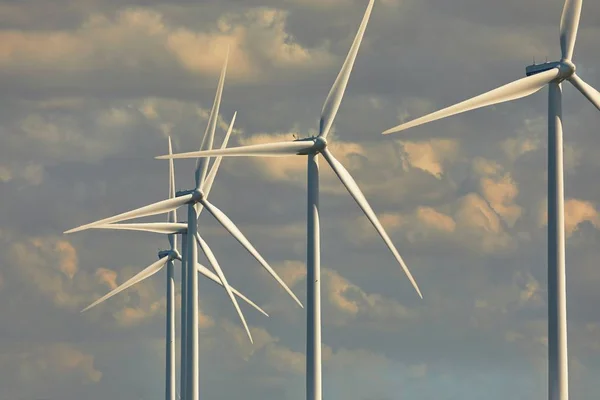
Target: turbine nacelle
x: 565, y: 67
x: 319, y: 144
x: 538, y: 68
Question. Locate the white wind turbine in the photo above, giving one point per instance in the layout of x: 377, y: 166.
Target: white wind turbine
x: 312, y: 147
x: 195, y: 199
x: 172, y: 228
x: 538, y: 76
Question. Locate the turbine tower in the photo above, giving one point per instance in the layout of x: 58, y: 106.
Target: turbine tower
x: 172, y: 228
x: 312, y: 147
x: 195, y: 200
x: 538, y: 76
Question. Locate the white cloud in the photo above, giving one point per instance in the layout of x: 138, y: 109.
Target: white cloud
x: 576, y: 212
x: 431, y: 155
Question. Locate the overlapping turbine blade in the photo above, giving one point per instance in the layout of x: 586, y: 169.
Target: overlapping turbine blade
x: 209, y: 134
x: 514, y: 90
x: 215, y: 264
x: 210, y: 178
x: 279, y: 149
x: 173, y: 213
x: 336, y: 93
x: 146, y: 273
x: 213, y: 277
x: 236, y: 233
x: 569, y: 23
x: 362, y: 202
x: 152, y: 209
x: 587, y: 90
x: 154, y: 227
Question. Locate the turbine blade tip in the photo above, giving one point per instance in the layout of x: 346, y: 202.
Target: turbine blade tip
x: 391, y: 130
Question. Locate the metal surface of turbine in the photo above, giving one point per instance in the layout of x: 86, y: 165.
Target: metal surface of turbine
x: 171, y: 228
x: 312, y: 147
x: 191, y: 198
x: 538, y: 76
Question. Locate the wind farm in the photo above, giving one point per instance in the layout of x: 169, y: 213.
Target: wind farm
x: 436, y: 260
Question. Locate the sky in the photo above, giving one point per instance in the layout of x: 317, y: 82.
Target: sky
x: 90, y: 91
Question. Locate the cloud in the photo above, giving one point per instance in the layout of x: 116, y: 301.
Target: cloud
x: 49, y: 266
x: 576, y: 212
x: 292, y: 272
x: 466, y: 223
x: 527, y: 139
x: 138, y: 38
x: 430, y: 155
x: 39, y: 369
x: 501, y: 194
x: 108, y: 277
x: 436, y: 219
x: 91, y: 91
x: 5, y: 174
x: 348, y: 304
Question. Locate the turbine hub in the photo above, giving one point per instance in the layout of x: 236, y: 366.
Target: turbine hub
x: 566, y: 68
x: 173, y: 254
x: 320, y: 143
x: 176, y: 254
x: 197, y: 195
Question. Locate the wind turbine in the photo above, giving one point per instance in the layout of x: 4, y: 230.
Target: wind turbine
x: 195, y: 200
x: 167, y: 257
x: 538, y: 76
x: 312, y: 147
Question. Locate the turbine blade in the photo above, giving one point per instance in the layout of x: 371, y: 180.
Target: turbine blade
x: 336, y: 93
x: 146, y: 273
x: 587, y: 90
x: 172, y: 214
x: 569, y: 23
x: 209, y: 134
x: 362, y: 202
x: 210, y: 178
x: 514, y: 90
x: 152, y: 209
x: 154, y: 227
x: 215, y: 264
x: 213, y: 277
x: 278, y: 149
x: 236, y: 233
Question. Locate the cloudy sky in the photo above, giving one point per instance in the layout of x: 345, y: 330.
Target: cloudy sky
x: 90, y: 91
